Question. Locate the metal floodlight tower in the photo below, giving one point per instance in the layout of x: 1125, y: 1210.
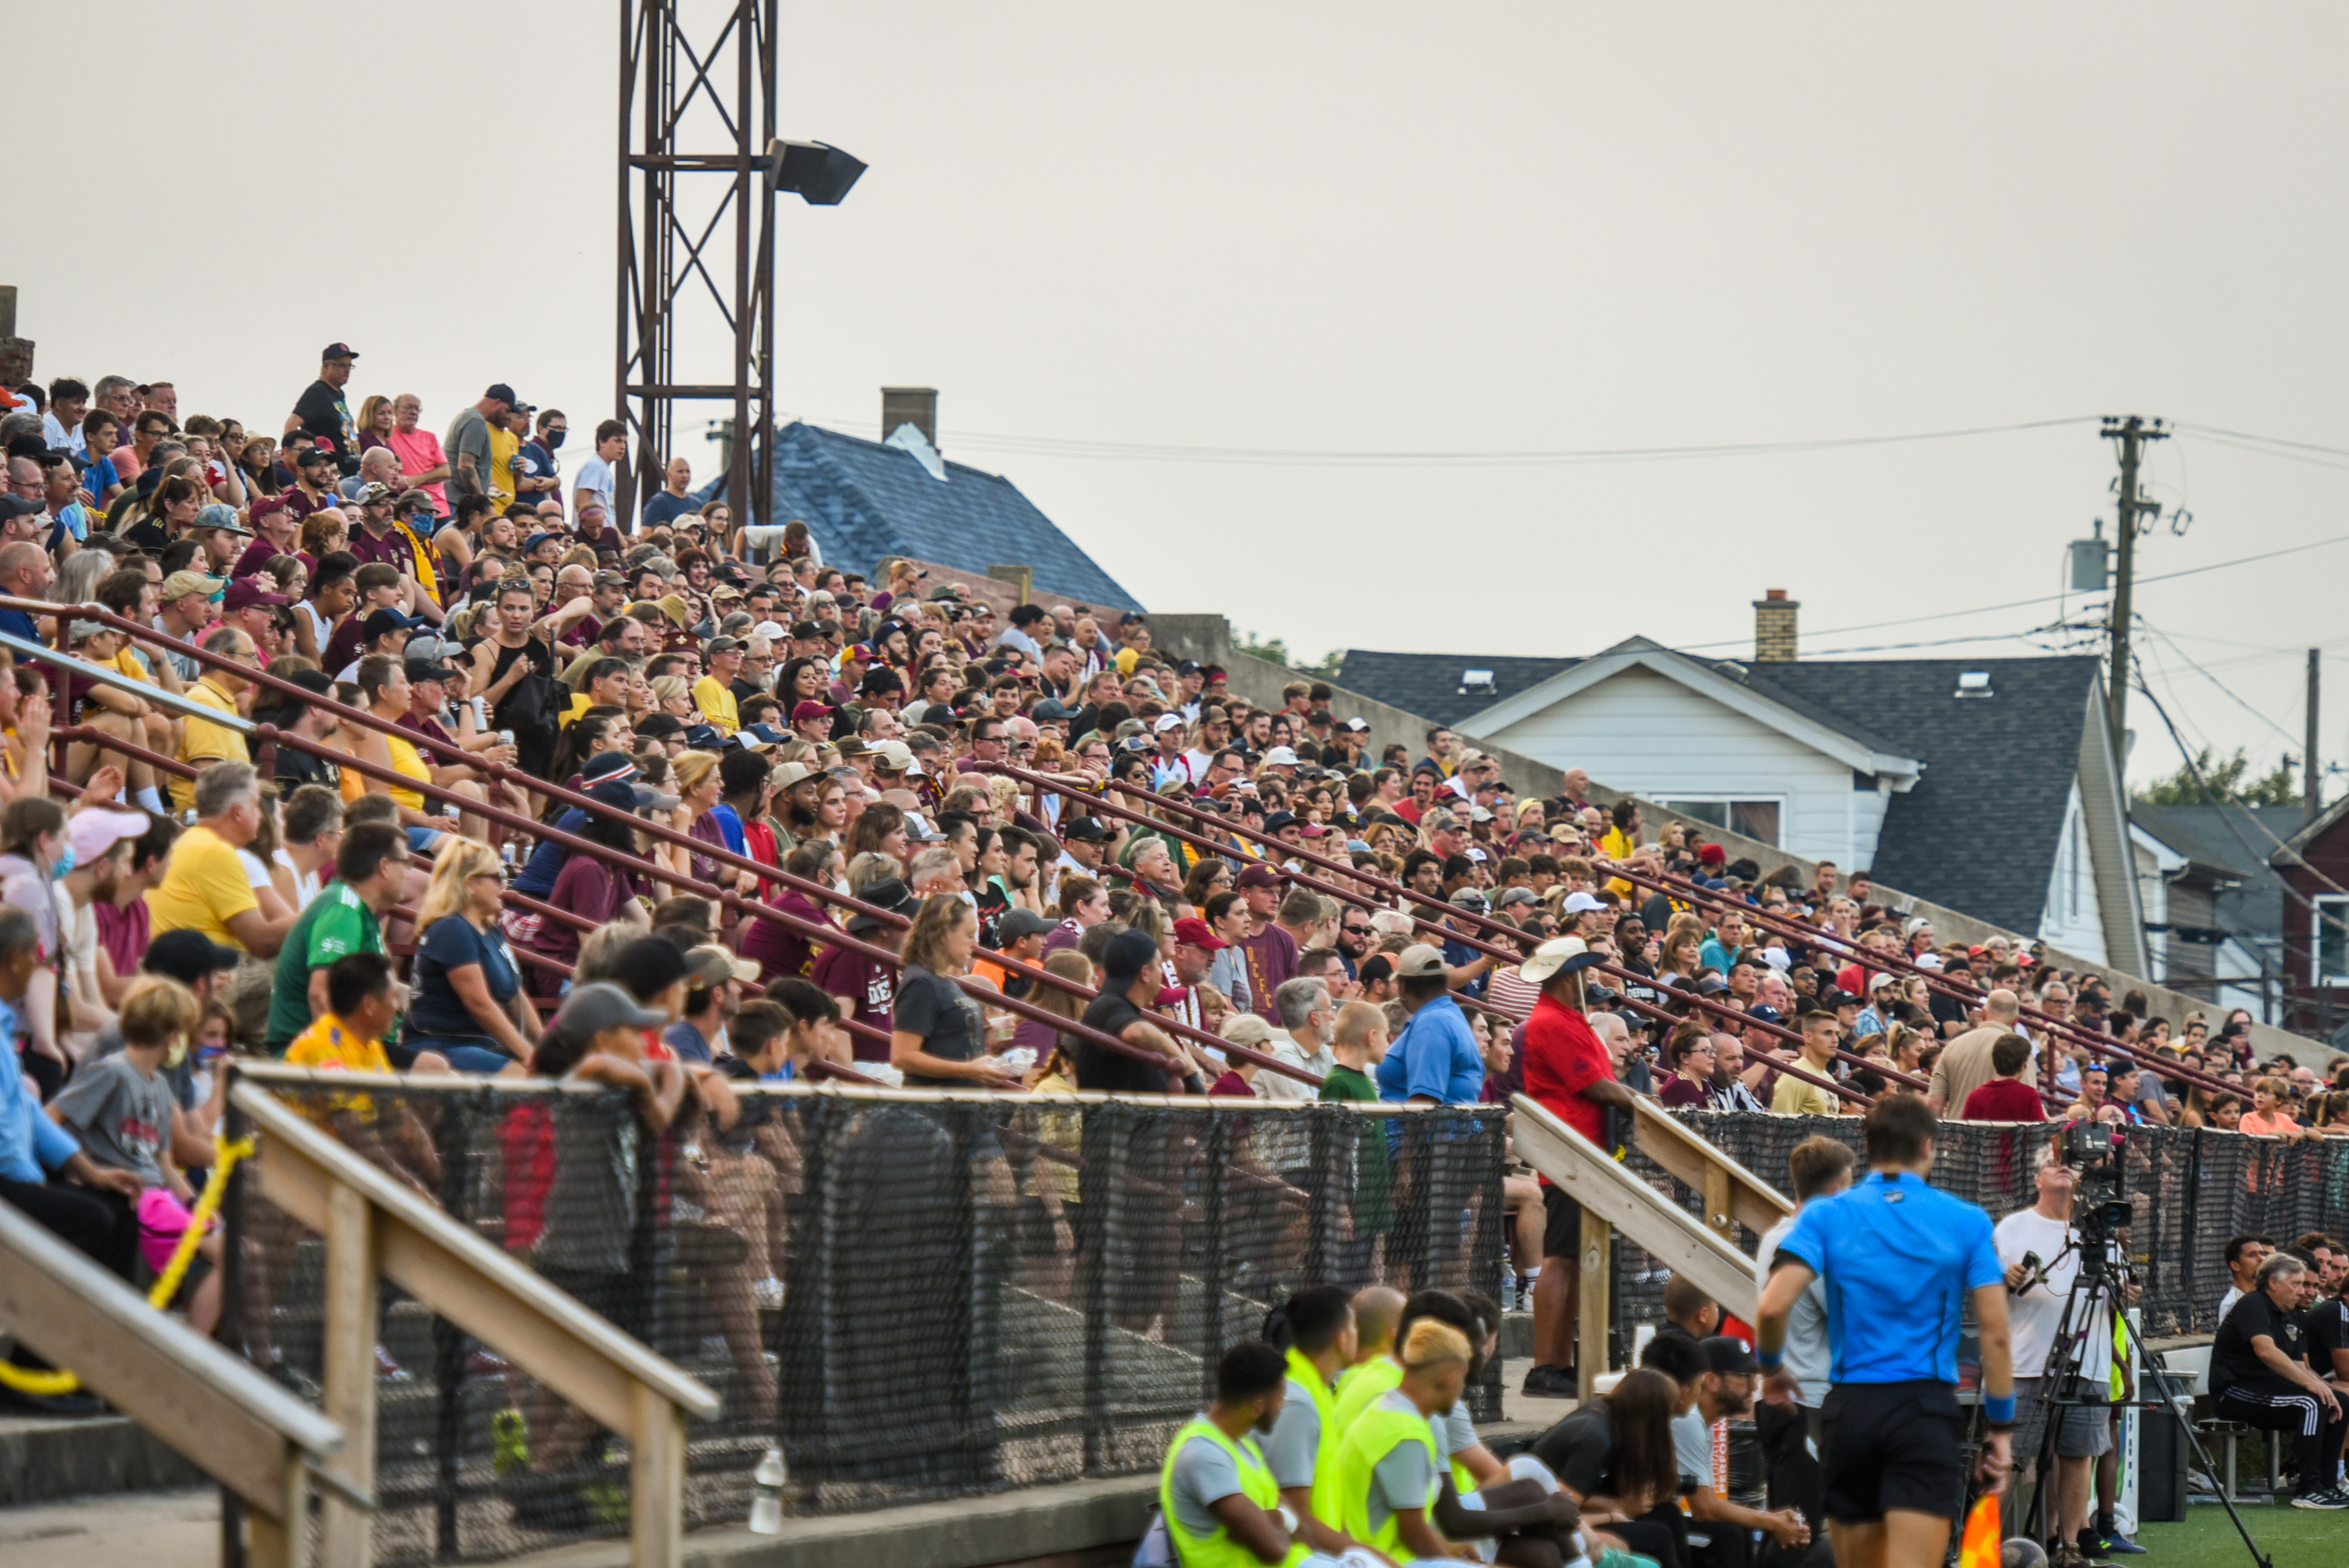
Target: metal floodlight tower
x: 700, y: 167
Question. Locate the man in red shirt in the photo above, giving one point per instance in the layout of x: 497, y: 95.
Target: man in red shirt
x: 2005, y: 1098
x: 1570, y: 1075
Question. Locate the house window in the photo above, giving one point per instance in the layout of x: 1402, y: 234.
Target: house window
x: 1754, y: 819
x: 2331, y: 913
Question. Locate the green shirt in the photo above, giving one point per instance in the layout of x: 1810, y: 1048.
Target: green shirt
x: 1373, y: 1182
x: 335, y: 924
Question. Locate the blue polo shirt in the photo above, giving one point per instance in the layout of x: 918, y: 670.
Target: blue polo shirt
x: 1435, y: 1055
x: 1898, y: 1257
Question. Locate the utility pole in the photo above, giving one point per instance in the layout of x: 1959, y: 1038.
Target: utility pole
x: 2132, y: 432
x: 2308, y: 752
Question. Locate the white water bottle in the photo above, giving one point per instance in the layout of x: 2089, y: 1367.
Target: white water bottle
x: 767, y: 1506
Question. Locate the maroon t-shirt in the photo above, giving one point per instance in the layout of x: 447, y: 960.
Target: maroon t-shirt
x: 2004, y: 1099
x: 872, y: 988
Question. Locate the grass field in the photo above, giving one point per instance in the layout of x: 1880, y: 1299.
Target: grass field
x: 2291, y: 1537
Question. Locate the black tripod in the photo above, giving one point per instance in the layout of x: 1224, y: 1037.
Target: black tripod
x: 2099, y: 1279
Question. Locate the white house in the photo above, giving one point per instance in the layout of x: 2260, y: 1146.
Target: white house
x: 1986, y: 786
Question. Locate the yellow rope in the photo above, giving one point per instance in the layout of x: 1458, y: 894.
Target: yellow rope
x: 167, y: 1283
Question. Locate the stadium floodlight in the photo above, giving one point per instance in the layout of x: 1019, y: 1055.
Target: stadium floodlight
x: 819, y: 172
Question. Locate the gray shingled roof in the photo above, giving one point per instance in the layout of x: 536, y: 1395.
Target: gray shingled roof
x: 1429, y: 684
x: 2228, y: 837
x: 862, y: 501
x: 1978, y: 833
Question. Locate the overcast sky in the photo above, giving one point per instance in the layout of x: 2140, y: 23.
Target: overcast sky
x: 1363, y: 228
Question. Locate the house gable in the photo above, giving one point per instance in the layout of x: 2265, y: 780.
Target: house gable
x: 1853, y: 747
x: 1663, y: 740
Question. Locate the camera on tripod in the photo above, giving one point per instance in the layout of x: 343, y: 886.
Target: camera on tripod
x: 2089, y: 1147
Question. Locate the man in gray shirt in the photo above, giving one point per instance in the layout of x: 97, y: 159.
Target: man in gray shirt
x: 1818, y: 1168
x: 468, y: 444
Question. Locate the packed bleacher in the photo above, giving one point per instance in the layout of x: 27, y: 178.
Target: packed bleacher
x: 366, y: 747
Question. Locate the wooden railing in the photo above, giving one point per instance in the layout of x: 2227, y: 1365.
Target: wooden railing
x: 221, y: 1414
x: 372, y: 1225
x: 1613, y: 1199
x: 1733, y: 1195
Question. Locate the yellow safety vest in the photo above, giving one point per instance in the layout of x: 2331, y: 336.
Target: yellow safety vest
x: 1325, y: 1452
x: 1363, y: 1386
x: 1375, y: 1434
x: 1219, y: 1549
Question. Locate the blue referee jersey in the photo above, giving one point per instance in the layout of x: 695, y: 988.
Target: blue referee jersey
x: 1898, y: 1257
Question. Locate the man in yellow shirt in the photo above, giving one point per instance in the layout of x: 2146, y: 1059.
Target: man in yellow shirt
x: 506, y: 443
x: 605, y: 685
x: 348, y: 1038
x: 713, y: 694
x: 203, y: 742
x: 204, y: 886
x: 1794, y: 1097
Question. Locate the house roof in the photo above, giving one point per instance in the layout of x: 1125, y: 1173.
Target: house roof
x: 1980, y: 828
x: 2227, y: 839
x: 1980, y: 831
x: 864, y: 499
x: 1430, y: 685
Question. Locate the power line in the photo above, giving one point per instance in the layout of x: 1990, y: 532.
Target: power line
x: 2212, y: 795
x: 2232, y: 695
x: 1144, y: 451
x: 2247, y: 436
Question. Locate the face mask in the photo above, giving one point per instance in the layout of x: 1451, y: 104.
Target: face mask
x: 553, y: 438
x: 178, y: 1053
x: 62, y: 864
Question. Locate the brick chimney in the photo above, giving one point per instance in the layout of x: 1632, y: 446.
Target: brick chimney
x: 1774, y: 627
x: 915, y: 406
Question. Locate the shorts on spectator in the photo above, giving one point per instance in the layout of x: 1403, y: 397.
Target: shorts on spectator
x: 2082, y: 1431
x: 1890, y: 1446
x: 1561, y: 1225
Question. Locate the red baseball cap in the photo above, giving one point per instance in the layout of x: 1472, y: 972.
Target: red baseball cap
x: 808, y: 710
x: 1192, y: 932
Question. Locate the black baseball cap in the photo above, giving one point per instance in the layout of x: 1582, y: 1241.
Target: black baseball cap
x: 502, y: 392
x: 890, y: 895
x: 188, y: 955
x: 338, y: 351
x: 1727, y: 1357
x: 1086, y: 828
x: 649, y: 965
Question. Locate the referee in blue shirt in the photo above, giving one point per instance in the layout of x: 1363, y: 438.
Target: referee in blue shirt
x: 1899, y: 1259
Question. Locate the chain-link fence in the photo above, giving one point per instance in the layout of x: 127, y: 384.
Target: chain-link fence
x: 918, y: 1298
x: 2191, y: 1188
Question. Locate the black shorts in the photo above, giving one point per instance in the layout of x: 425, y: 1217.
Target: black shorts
x: 1887, y: 1446
x: 1561, y: 1225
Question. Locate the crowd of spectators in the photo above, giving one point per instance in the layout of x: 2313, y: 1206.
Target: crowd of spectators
x: 999, y: 794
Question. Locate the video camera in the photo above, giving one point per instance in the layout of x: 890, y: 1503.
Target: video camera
x: 2084, y: 1143
x: 2091, y: 1149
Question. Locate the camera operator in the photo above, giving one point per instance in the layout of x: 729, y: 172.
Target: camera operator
x: 2259, y: 1376
x: 2041, y: 1251
x: 1900, y: 1260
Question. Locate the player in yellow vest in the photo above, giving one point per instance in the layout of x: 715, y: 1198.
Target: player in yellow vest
x: 1388, y: 1471
x: 1316, y: 1330
x: 1216, y: 1491
x: 1392, y: 1453
x: 1378, y: 1312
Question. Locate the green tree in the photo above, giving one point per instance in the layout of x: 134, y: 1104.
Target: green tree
x: 1276, y: 650
x: 2230, y: 780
